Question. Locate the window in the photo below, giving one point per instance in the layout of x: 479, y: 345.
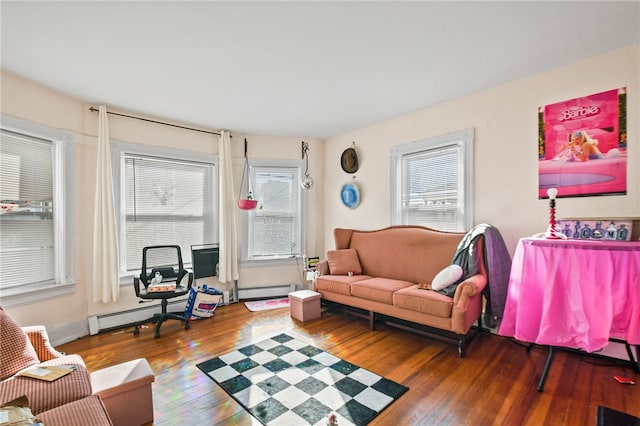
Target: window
x: 274, y: 229
x: 36, y: 253
x: 432, y: 182
x: 166, y: 198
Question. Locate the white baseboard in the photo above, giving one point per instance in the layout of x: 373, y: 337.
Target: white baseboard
x: 95, y: 324
x: 67, y: 333
x: 263, y: 292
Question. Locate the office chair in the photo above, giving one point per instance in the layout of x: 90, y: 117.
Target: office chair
x: 163, y: 277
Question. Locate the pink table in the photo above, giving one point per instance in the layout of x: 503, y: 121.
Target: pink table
x: 574, y: 293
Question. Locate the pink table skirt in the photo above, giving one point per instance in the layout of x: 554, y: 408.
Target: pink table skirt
x: 574, y: 293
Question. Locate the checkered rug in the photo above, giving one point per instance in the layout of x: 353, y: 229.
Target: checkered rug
x: 285, y: 381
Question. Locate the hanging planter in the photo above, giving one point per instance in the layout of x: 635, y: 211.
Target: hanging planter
x: 247, y: 202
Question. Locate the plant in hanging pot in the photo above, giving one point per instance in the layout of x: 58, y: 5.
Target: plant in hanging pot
x: 247, y: 203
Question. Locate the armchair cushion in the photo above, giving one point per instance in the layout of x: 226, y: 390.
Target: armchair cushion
x: 17, y: 352
x: 43, y: 395
x: 39, y: 339
x: 341, y: 262
x: 89, y: 411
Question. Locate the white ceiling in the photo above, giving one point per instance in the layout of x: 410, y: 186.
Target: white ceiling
x: 308, y: 69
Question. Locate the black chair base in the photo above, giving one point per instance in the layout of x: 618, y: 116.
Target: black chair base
x: 158, y: 319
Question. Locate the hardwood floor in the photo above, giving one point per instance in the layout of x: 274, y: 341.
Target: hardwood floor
x: 494, y: 385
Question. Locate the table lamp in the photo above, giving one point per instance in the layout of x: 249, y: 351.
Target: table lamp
x: 551, y: 233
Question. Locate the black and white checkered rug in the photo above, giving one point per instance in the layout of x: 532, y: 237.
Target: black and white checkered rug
x: 285, y: 381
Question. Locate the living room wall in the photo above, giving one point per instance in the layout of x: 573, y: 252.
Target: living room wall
x: 34, y: 103
x: 505, y: 166
x: 505, y: 158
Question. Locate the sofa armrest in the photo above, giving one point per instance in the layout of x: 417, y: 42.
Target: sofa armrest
x: 467, y: 303
x: 323, y: 268
x: 40, y: 341
x: 467, y: 289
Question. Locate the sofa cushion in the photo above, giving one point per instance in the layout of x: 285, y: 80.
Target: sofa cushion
x: 448, y: 276
x: 340, y: 284
x: 15, y: 347
x: 425, y: 301
x: 341, y: 262
x: 87, y: 411
x: 378, y: 289
x: 43, y: 395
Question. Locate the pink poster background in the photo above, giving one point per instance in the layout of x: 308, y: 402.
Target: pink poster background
x: 603, y: 117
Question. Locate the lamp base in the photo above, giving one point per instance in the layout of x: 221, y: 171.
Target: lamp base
x: 554, y: 236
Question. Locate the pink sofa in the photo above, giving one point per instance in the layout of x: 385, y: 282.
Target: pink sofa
x: 391, y: 264
x: 78, y: 398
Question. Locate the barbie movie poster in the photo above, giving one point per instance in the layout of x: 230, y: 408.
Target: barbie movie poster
x: 582, y: 145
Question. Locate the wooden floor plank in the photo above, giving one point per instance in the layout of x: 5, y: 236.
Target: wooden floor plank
x: 494, y: 385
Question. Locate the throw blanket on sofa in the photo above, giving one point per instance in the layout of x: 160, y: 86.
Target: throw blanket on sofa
x: 497, y: 263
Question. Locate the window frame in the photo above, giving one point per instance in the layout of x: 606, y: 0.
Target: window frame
x: 463, y: 139
x: 63, y: 208
x: 245, y: 259
x: 119, y: 150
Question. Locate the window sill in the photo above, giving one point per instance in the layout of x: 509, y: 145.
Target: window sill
x: 25, y: 296
x: 264, y: 263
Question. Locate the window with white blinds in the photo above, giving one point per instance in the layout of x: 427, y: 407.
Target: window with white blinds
x: 34, y: 234
x: 274, y: 229
x: 432, y: 182
x: 166, y: 201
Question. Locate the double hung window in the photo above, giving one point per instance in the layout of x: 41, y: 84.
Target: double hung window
x: 274, y: 229
x: 432, y: 182
x: 165, y: 199
x: 36, y: 251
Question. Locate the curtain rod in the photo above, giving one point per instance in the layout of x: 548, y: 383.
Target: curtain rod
x: 92, y: 109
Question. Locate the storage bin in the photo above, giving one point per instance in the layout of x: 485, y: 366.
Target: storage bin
x: 305, y: 305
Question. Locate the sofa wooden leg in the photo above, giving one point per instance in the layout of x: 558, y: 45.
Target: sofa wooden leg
x: 372, y: 320
x: 462, y: 345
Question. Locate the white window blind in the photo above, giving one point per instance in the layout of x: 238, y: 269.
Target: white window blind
x: 432, y: 183
x: 274, y: 227
x: 166, y: 202
x: 27, y: 249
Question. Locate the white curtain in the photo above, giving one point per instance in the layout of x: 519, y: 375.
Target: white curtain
x: 228, y: 269
x: 106, y: 279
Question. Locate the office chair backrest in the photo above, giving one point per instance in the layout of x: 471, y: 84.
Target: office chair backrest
x: 164, y: 259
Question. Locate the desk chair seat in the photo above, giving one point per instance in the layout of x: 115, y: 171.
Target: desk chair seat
x: 163, y: 277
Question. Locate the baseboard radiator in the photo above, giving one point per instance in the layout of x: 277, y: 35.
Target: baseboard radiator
x: 266, y: 292
x: 123, y: 318
x: 116, y: 320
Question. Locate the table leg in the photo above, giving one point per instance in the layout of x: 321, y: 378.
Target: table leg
x: 546, y: 370
x: 636, y: 363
